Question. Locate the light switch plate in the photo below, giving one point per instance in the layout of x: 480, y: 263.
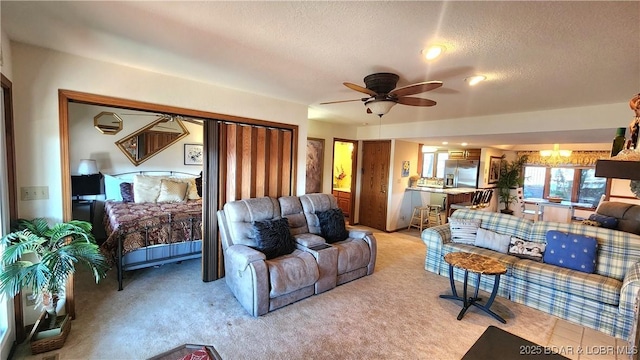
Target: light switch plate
x: 28, y: 193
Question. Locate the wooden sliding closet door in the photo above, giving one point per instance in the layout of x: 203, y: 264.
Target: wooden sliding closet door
x: 255, y: 161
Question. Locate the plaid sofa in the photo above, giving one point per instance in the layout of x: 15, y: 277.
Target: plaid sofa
x: 604, y: 300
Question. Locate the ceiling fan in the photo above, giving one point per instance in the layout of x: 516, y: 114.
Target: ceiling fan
x: 383, y: 95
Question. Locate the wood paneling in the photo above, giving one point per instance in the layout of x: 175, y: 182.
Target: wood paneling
x: 258, y: 161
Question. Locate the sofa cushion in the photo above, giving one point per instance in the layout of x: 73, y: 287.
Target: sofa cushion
x: 292, y: 272
x: 291, y: 208
x: 608, y: 222
x: 240, y: 215
x: 591, y: 286
x: 500, y: 223
x: 332, y: 226
x: 273, y: 238
x: 492, y: 240
x: 572, y: 251
x: 526, y: 249
x: 352, y: 254
x: 464, y: 231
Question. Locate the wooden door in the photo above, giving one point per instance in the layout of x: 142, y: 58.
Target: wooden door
x: 376, y: 158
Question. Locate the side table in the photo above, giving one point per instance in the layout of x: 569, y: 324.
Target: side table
x: 478, y: 264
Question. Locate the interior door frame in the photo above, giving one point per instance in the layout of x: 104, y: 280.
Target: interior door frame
x: 354, y: 174
x: 12, y: 186
x: 210, y: 236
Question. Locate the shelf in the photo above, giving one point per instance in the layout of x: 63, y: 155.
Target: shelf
x: 618, y: 169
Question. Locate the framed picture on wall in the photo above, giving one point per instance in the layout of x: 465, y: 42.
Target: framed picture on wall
x: 315, y: 164
x: 494, y: 169
x: 193, y: 154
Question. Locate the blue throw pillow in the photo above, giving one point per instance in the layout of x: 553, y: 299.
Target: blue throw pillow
x: 572, y: 251
x: 608, y: 222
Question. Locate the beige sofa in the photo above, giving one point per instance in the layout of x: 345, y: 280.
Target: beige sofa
x: 262, y: 285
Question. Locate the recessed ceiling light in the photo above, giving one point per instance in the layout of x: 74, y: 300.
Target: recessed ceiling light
x: 473, y: 80
x: 445, y: 143
x: 433, y: 52
x: 464, y: 144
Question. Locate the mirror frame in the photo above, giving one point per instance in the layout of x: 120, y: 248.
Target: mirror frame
x: 136, y: 162
x: 108, y: 131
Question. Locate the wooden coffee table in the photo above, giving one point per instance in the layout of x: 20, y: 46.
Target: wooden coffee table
x: 478, y: 264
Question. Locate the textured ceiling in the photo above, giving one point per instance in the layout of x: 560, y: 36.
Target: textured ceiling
x: 537, y: 55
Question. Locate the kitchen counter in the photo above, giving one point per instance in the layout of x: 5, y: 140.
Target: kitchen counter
x: 448, y: 191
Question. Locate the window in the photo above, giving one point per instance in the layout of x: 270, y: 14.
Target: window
x: 569, y: 183
x: 433, y: 164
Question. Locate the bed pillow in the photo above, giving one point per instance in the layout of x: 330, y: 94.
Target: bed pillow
x: 273, y: 237
x: 332, y: 226
x: 192, y: 188
x: 199, y: 184
x: 464, y: 231
x: 146, y: 188
x: 526, y: 249
x: 172, y: 191
x: 492, y: 240
x: 126, y: 191
x: 608, y: 222
x: 572, y: 251
x: 112, y: 187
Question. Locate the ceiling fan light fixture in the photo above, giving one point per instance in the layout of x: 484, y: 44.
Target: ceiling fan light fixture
x: 474, y: 80
x: 433, y: 52
x: 379, y: 107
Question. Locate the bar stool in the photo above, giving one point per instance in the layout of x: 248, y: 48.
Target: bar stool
x: 419, y: 217
x: 434, y: 217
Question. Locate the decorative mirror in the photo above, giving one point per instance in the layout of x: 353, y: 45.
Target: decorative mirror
x: 107, y: 123
x: 152, y: 139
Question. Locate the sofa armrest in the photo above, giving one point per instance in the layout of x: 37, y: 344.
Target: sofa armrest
x: 309, y: 240
x: 630, y: 290
x: 242, y: 256
x: 434, y: 238
x: 247, y: 276
x: 357, y: 233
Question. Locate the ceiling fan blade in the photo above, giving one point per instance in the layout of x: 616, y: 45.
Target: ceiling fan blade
x: 342, y: 101
x: 416, y: 88
x: 360, y: 89
x: 414, y: 101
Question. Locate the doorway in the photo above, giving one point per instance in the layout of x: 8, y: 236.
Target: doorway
x: 344, y: 176
x: 376, y: 159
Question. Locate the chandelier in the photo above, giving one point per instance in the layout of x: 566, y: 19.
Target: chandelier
x: 556, y: 152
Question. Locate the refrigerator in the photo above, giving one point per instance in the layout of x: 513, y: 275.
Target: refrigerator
x: 461, y: 173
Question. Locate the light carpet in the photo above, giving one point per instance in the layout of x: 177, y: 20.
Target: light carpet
x: 393, y: 314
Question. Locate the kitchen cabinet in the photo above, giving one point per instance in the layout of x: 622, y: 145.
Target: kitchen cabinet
x: 344, y: 201
x: 468, y: 154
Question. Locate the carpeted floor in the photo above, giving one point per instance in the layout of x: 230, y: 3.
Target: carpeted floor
x: 393, y: 314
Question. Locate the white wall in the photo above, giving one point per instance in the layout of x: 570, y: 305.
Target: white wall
x: 39, y: 74
x: 399, y: 203
x: 85, y: 142
x: 581, y: 118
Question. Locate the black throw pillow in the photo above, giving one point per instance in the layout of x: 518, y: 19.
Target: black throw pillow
x: 126, y: 191
x: 199, y: 184
x: 332, y: 227
x: 273, y: 237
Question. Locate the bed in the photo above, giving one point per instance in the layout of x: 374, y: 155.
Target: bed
x: 153, y: 218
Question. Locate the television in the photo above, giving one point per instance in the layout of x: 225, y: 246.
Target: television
x: 86, y: 184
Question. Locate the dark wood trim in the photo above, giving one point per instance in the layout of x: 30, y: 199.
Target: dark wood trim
x: 210, y: 244
x: 12, y: 186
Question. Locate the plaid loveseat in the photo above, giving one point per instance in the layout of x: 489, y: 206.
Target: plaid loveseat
x: 604, y: 300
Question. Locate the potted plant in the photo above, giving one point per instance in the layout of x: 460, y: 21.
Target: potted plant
x: 57, y: 249
x: 511, y: 177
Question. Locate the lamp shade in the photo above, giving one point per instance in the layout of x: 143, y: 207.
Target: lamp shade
x: 379, y: 107
x: 87, y: 167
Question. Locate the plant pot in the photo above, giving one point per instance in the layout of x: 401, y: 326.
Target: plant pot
x: 507, y: 211
x: 43, y: 340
